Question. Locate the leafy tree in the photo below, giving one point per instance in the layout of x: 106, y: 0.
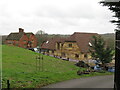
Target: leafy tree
x: 41, y: 37
x: 100, y: 51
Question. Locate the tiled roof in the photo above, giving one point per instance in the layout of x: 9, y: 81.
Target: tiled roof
x: 28, y: 34
x: 82, y: 40
x: 51, y: 43
x: 17, y: 35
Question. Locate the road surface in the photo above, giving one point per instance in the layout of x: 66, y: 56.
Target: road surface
x: 106, y: 81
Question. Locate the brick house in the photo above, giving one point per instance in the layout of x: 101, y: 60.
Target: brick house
x: 74, y: 47
x: 21, y: 39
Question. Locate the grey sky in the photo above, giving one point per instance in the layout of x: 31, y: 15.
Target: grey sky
x: 111, y: 0
x: 55, y: 16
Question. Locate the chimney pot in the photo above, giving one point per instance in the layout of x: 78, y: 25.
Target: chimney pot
x: 21, y: 30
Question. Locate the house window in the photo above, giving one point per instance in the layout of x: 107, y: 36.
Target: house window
x: 63, y: 54
x: 69, y: 45
x: 32, y: 41
x: 58, y: 45
x: 52, y: 51
x: 76, y: 56
x: 61, y: 45
x: 25, y: 45
x: 47, y: 51
x: 17, y: 44
x: 85, y: 56
x: 24, y: 41
x: 10, y: 42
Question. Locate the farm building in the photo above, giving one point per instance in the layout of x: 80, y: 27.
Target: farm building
x: 21, y: 39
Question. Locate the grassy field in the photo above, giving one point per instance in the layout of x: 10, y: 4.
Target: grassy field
x: 19, y: 66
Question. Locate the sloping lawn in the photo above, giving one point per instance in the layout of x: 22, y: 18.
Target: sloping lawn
x: 19, y: 66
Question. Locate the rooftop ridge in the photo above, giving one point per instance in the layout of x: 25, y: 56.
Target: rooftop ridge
x: 84, y: 33
x: 20, y: 32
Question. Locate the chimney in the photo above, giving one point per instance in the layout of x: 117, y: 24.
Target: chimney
x: 21, y: 30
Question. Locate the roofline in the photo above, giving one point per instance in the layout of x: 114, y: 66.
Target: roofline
x: 84, y: 33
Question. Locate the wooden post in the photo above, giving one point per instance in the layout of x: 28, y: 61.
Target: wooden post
x: 39, y: 63
x: 42, y: 63
x: 36, y: 63
x: 8, y: 84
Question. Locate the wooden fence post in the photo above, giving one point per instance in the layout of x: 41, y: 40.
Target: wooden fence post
x: 8, y: 85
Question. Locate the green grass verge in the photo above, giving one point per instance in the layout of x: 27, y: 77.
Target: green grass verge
x: 19, y: 66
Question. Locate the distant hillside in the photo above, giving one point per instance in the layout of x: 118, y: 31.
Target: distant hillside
x: 110, y: 39
x: 109, y: 35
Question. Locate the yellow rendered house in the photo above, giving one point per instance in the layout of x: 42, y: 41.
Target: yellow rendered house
x: 75, y: 47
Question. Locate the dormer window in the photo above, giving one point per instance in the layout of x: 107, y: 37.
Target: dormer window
x: 47, y: 41
x: 90, y: 44
x: 69, y: 45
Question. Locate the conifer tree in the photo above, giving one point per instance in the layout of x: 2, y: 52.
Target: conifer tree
x: 114, y: 6
x: 101, y: 52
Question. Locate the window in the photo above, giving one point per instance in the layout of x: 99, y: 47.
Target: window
x: 47, y: 41
x: 58, y: 45
x: 85, y: 56
x: 25, y: 45
x: 52, y: 51
x: 61, y: 45
x: 17, y: 44
x: 47, y: 51
x: 69, y: 45
x: 63, y: 54
x: 32, y: 41
x: 76, y: 56
x: 24, y: 40
x: 10, y: 42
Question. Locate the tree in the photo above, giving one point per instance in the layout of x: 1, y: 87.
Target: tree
x: 40, y: 32
x: 115, y: 7
x: 99, y: 50
x: 41, y: 37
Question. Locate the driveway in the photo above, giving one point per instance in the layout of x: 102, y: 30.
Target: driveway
x: 106, y: 81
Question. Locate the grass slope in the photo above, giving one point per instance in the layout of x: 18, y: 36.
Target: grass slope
x: 19, y: 66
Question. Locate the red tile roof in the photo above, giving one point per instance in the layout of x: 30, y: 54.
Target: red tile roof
x: 17, y: 35
x: 51, y: 43
x: 82, y: 40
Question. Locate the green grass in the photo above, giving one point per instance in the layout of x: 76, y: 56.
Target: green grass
x: 19, y: 66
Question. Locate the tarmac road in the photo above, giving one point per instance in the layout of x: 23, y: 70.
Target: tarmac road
x: 106, y: 81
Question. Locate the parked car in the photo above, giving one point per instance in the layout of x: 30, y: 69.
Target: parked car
x: 97, y: 68
x: 111, y: 69
x: 34, y: 49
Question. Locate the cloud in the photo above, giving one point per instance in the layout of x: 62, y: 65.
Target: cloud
x: 54, y: 16
x: 111, y: 0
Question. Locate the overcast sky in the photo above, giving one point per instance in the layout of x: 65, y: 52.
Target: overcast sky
x: 55, y: 16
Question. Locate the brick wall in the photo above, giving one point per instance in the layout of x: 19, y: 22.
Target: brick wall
x: 23, y: 41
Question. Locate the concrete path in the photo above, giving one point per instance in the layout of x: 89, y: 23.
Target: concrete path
x: 106, y: 81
